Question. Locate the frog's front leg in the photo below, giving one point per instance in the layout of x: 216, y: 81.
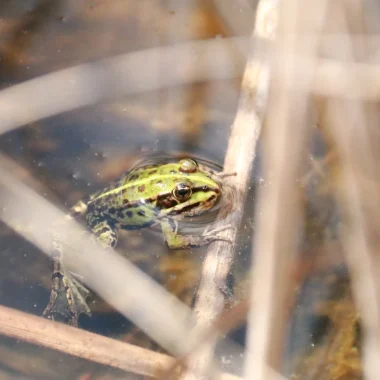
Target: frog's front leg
x: 103, y: 229
x: 176, y: 241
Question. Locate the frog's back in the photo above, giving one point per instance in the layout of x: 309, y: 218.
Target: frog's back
x: 136, y: 199
x: 129, y: 201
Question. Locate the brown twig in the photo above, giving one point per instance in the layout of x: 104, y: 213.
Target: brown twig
x: 80, y: 343
x: 84, y: 344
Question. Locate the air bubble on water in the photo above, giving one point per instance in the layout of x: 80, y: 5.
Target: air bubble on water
x: 76, y: 174
x: 226, y: 360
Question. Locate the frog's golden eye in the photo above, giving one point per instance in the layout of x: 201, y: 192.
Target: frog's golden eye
x: 182, y: 192
x: 188, y: 165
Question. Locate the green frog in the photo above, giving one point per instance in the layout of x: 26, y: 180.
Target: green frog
x: 164, y: 193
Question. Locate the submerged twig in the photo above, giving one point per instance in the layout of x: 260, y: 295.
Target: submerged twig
x: 84, y: 344
x: 80, y: 343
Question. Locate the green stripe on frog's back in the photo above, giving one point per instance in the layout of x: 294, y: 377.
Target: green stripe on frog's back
x: 153, y: 181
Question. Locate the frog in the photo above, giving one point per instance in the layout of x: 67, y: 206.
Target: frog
x: 163, y: 194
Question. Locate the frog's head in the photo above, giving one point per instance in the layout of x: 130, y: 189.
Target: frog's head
x: 192, y: 189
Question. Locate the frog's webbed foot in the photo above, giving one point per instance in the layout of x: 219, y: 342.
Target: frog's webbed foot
x: 212, y: 235
x: 176, y: 241
x: 67, y: 299
x: 83, y: 291
x: 209, y: 236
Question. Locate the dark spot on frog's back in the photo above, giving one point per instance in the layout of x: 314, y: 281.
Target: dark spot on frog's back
x: 141, y: 213
x: 150, y: 200
x: 90, y: 207
x: 102, y: 231
x: 133, y: 177
x: 133, y: 205
x: 103, y: 200
x: 129, y: 214
x: 152, y: 172
x: 141, y: 188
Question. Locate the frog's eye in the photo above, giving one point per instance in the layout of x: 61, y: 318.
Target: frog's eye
x: 182, y: 192
x: 188, y: 165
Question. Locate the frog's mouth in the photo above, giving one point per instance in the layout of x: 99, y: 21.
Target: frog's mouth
x: 199, y: 208
x: 191, y: 223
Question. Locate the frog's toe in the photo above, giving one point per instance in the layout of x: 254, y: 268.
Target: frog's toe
x: 66, y: 301
x: 215, y: 231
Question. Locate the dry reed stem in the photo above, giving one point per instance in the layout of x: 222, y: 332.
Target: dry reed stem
x: 111, y: 78
x: 225, y: 322
x: 240, y: 155
x: 84, y: 344
x: 278, y: 212
x: 351, y: 123
x: 132, y: 73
